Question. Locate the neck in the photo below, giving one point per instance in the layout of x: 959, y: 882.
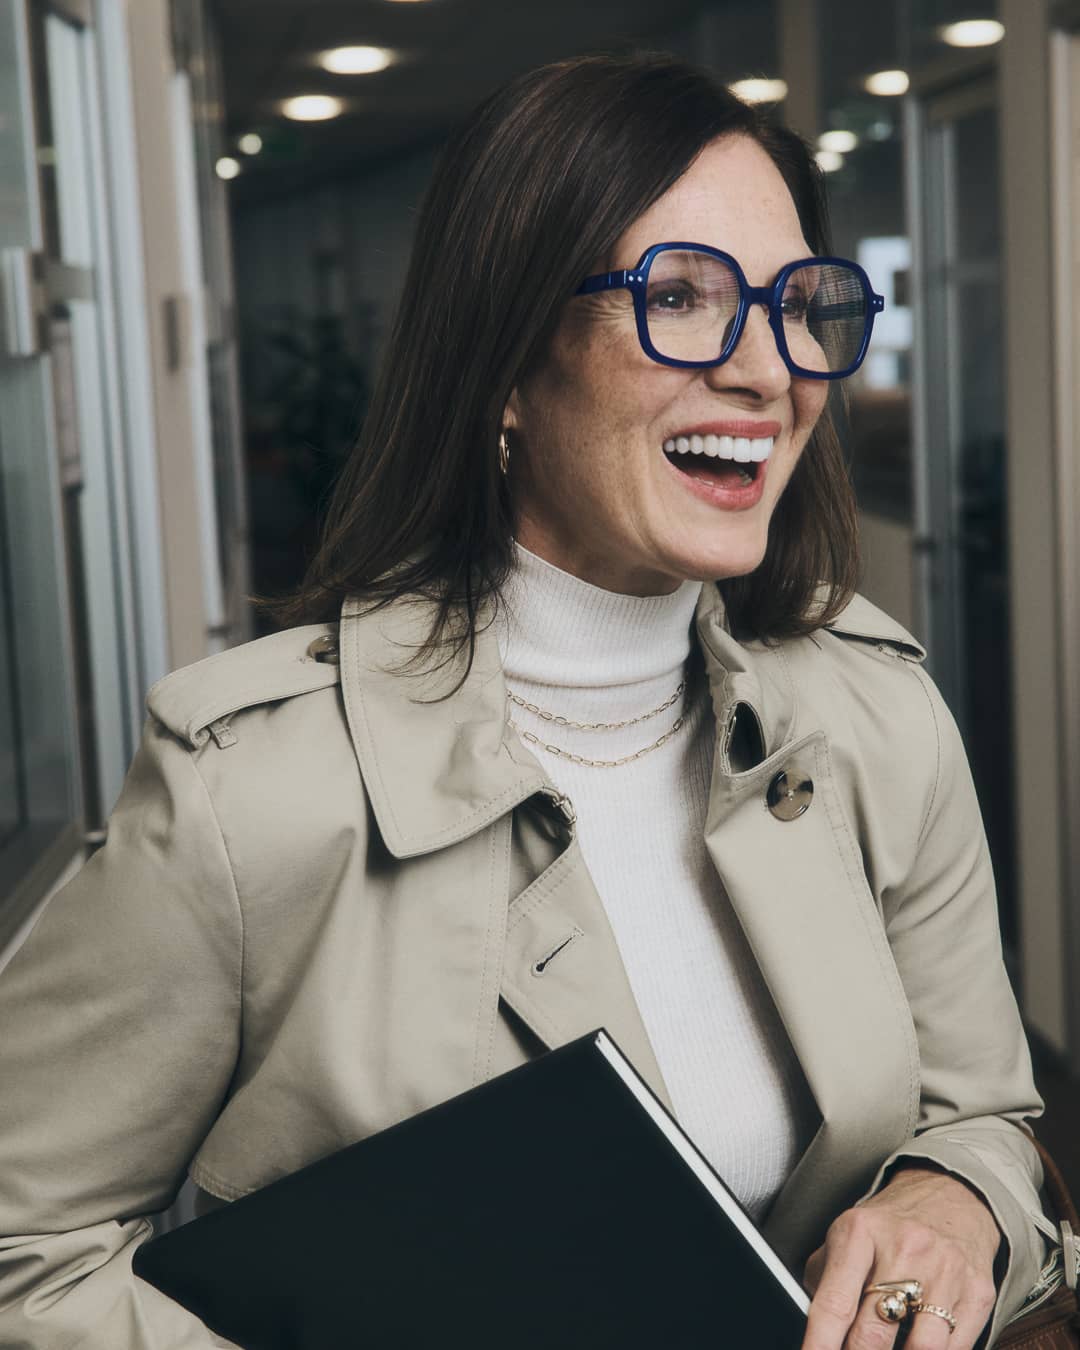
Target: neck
x: 594, y: 566
x: 557, y: 629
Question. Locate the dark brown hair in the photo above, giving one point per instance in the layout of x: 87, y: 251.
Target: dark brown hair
x: 529, y: 194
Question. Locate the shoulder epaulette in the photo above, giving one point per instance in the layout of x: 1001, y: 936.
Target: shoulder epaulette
x: 863, y: 622
x: 197, y: 701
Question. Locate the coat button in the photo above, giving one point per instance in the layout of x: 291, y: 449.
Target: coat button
x: 324, y: 649
x: 789, y: 794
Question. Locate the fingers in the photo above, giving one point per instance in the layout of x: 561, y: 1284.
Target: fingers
x: 971, y: 1310
x: 930, y: 1332
x: 842, y: 1274
x: 843, y: 1317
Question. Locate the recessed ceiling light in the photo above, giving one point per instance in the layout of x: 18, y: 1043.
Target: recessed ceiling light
x: 887, y: 83
x: 312, y: 107
x: 250, y: 143
x: 356, y: 60
x: 828, y: 161
x: 972, y: 33
x: 759, y: 90
x: 840, y: 141
x: 227, y: 167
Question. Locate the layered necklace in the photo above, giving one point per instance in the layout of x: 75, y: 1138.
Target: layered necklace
x: 556, y: 719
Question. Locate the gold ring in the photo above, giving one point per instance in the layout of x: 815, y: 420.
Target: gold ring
x: 943, y: 1313
x: 899, y: 1298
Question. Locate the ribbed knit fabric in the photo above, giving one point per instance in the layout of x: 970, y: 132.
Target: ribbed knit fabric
x: 594, y: 656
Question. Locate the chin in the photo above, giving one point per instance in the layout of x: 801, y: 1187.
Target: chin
x: 713, y: 564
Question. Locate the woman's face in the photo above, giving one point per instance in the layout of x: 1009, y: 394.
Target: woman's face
x: 594, y: 490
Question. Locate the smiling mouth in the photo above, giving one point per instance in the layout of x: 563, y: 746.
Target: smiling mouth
x: 727, y: 461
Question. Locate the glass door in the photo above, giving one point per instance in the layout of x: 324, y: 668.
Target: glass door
x: 82, y: 332
x: 960, y: 446
x: 40, y: 791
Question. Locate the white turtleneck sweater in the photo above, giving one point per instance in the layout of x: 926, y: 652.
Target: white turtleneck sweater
x: 594, y: 656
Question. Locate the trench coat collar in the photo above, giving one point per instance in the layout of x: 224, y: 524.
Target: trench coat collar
x: 441, y: 762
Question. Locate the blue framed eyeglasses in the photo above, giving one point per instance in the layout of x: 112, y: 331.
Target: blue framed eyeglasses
x: 691, y: 304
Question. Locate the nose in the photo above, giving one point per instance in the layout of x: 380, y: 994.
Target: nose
x: 755, y: 368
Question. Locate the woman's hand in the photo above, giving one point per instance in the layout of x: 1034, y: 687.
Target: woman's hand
x: 926, y: 1226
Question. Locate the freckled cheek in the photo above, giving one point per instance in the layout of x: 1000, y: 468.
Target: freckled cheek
x: 810, y: 402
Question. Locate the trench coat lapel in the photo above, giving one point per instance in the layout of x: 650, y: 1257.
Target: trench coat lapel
x: 801, y: 896
x: 439, y: 766
x: 562, y: 971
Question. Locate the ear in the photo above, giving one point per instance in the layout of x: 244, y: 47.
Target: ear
x: 511, y: 417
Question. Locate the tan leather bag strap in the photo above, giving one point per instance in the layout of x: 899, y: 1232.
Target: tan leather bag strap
x: 1065, y: 1216
x: 1057, y: 1192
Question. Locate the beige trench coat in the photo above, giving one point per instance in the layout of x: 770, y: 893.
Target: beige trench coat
x: 327, y: 902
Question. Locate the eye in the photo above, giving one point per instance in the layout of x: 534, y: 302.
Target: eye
x: 672, y: 297
x: 795, y: 306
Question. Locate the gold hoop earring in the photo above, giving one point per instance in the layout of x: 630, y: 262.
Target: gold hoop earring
x: 504, y: 451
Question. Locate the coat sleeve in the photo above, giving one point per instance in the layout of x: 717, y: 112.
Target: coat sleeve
x: 976, y: 1076
x: 120, y: 1020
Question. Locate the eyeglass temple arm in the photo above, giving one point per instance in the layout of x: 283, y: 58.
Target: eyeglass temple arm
x: 849, y: 309
x: 608, y: 281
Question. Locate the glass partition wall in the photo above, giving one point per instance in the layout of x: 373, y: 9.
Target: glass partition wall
x: 84, y: 568
x: 41, y: 795
x: 909, y: 139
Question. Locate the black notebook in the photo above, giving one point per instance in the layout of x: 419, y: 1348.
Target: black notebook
x: 556, y: 1206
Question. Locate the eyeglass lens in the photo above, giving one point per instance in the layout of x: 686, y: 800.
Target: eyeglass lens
x: 692, y: 300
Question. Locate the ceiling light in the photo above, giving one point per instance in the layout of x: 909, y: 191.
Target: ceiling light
x: 250, y: 143
x: 840, y: 141
x: 828, y: 161
x: 227, y: 167
x: 356, y: 60
x: 972, y: 33
x: 759, y: 91
x: 312, y: 107
x: 887, y: 83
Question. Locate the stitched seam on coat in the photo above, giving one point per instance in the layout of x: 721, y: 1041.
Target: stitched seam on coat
x: 211, y: 710
x: 485, y: 1045
x: 545, y: 886
x: 888, y: 969
x: 236, y: 898
x: 452, y: 832
x: 550, y: 1029
x: 921, y: 679
x: 511, y: 794
x: 224, y: 1190
x: 793, y: 689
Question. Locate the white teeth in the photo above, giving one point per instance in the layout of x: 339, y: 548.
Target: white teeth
x: 761, y: 449
x: 739, y: 448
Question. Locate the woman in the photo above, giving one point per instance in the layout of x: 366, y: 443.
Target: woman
x: 545, y: 774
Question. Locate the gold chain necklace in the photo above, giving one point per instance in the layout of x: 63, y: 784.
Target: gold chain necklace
x: 560, y: 721
x: 598, y: 763
x: 557, y: 720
